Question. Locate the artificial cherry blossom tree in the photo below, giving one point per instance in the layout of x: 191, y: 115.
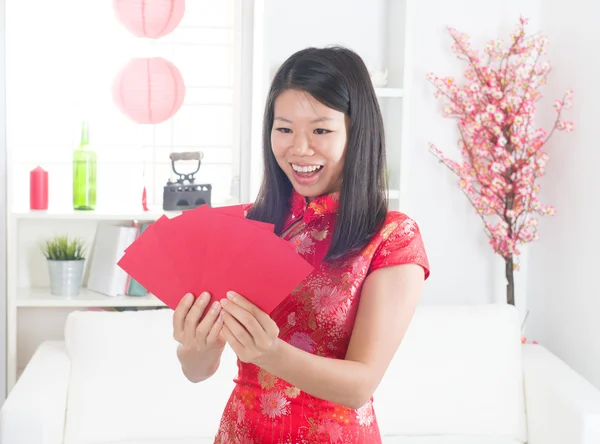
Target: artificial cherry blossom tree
x: 502, y: 155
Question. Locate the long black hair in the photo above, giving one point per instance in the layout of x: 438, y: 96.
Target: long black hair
x: 338, y: 78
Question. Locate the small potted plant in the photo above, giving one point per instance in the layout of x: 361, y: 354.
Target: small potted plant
x: 65, y: 264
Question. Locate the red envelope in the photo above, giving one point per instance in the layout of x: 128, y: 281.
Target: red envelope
x: 144, y: 262
x: 234, y: 210
x: 268, y: 271
x: 231, y: 210
x: 215, y: 250
x: 230, y: 239
x: 173, y: 239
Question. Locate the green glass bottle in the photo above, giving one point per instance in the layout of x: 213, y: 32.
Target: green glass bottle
x: 84, y: 172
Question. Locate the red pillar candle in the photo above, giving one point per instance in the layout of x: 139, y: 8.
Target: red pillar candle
x: 38, y: 189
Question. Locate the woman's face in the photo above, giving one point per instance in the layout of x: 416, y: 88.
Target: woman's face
x: 309, y: 142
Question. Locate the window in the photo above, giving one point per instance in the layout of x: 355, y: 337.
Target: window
x: 61, y: 59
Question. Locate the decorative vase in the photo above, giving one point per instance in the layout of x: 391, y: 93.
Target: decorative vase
x: 84, y: 172
x: 65, y: 277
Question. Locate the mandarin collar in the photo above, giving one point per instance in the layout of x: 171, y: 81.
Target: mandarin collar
x: 326, y: 204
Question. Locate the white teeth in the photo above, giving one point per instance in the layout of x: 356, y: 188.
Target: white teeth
x: 306, y: 169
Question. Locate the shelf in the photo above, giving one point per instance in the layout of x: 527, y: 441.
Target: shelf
x: 389, y: 92
x: 112, y: 214
x: 41, y: 297
x: 100, y: 214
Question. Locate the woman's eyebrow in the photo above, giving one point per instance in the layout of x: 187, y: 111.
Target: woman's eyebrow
x: 317, y: 120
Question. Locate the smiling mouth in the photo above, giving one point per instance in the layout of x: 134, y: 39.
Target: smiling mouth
x: 306, y: 174
x: 306, y: 168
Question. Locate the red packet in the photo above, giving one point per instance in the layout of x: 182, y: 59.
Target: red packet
x: 231, y: 210
x: 268, y: 271
x: 237, y: 211
x: 145, y: 262
x: 215, y: 235
x: 174, y: 240
x: 230, y: 239
x: 214, y: 250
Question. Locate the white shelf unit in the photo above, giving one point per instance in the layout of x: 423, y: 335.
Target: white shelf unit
x: 33, y: 313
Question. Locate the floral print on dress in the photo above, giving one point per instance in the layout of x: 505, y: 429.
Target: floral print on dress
x: 317, y: 317
x: 304, y: 243
x: 274, y: 404
x: 325, y: 300
x: 303, y: 341
x: 365, y: 415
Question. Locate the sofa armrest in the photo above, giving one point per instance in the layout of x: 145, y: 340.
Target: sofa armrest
x: 562, y: 407
x: 34, y: 410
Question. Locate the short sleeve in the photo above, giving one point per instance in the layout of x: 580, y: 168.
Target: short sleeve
x: 400, y: 243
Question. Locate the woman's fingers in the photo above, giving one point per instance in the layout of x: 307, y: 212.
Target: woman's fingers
x: 179, y: 316
x: 244, y: 318
x: 238, y: 330
x: 193, y: 317
x: 265, y: 321
x: 228, y: 336
x: 215, y: 335
x: 205, y: 326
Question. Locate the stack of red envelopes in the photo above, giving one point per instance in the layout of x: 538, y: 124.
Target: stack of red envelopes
x: 214, y: 250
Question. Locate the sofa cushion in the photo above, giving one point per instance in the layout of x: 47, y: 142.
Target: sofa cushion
x: 457, y: 372
x: 127, y: 386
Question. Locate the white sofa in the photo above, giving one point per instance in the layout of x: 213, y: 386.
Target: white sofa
x: 461, y: 376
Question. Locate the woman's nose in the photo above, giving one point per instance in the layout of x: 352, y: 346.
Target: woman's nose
x: 302, y: 145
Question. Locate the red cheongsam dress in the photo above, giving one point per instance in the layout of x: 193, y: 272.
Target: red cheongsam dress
x: 317, y: 317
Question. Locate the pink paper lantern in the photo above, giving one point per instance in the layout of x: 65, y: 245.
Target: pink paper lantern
x: 149, y: 90
x: 149, y: 18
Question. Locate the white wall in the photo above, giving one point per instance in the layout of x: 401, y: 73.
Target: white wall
x: 563, y: 281
x: 464, y: 269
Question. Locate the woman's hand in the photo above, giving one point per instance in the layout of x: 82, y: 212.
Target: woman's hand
x: 250, y: 332
x: 201, y: 342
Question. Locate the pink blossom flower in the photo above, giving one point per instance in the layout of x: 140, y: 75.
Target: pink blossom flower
x: 502, y: 155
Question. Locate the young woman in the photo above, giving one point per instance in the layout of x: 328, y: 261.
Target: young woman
x: 308, y: 370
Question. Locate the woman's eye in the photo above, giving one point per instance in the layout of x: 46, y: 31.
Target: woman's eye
x: 284, y: 130
x: 322, y: 131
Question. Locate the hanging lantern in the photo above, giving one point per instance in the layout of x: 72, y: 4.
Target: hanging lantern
x: 149, y: 18
x: 149, y: 90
